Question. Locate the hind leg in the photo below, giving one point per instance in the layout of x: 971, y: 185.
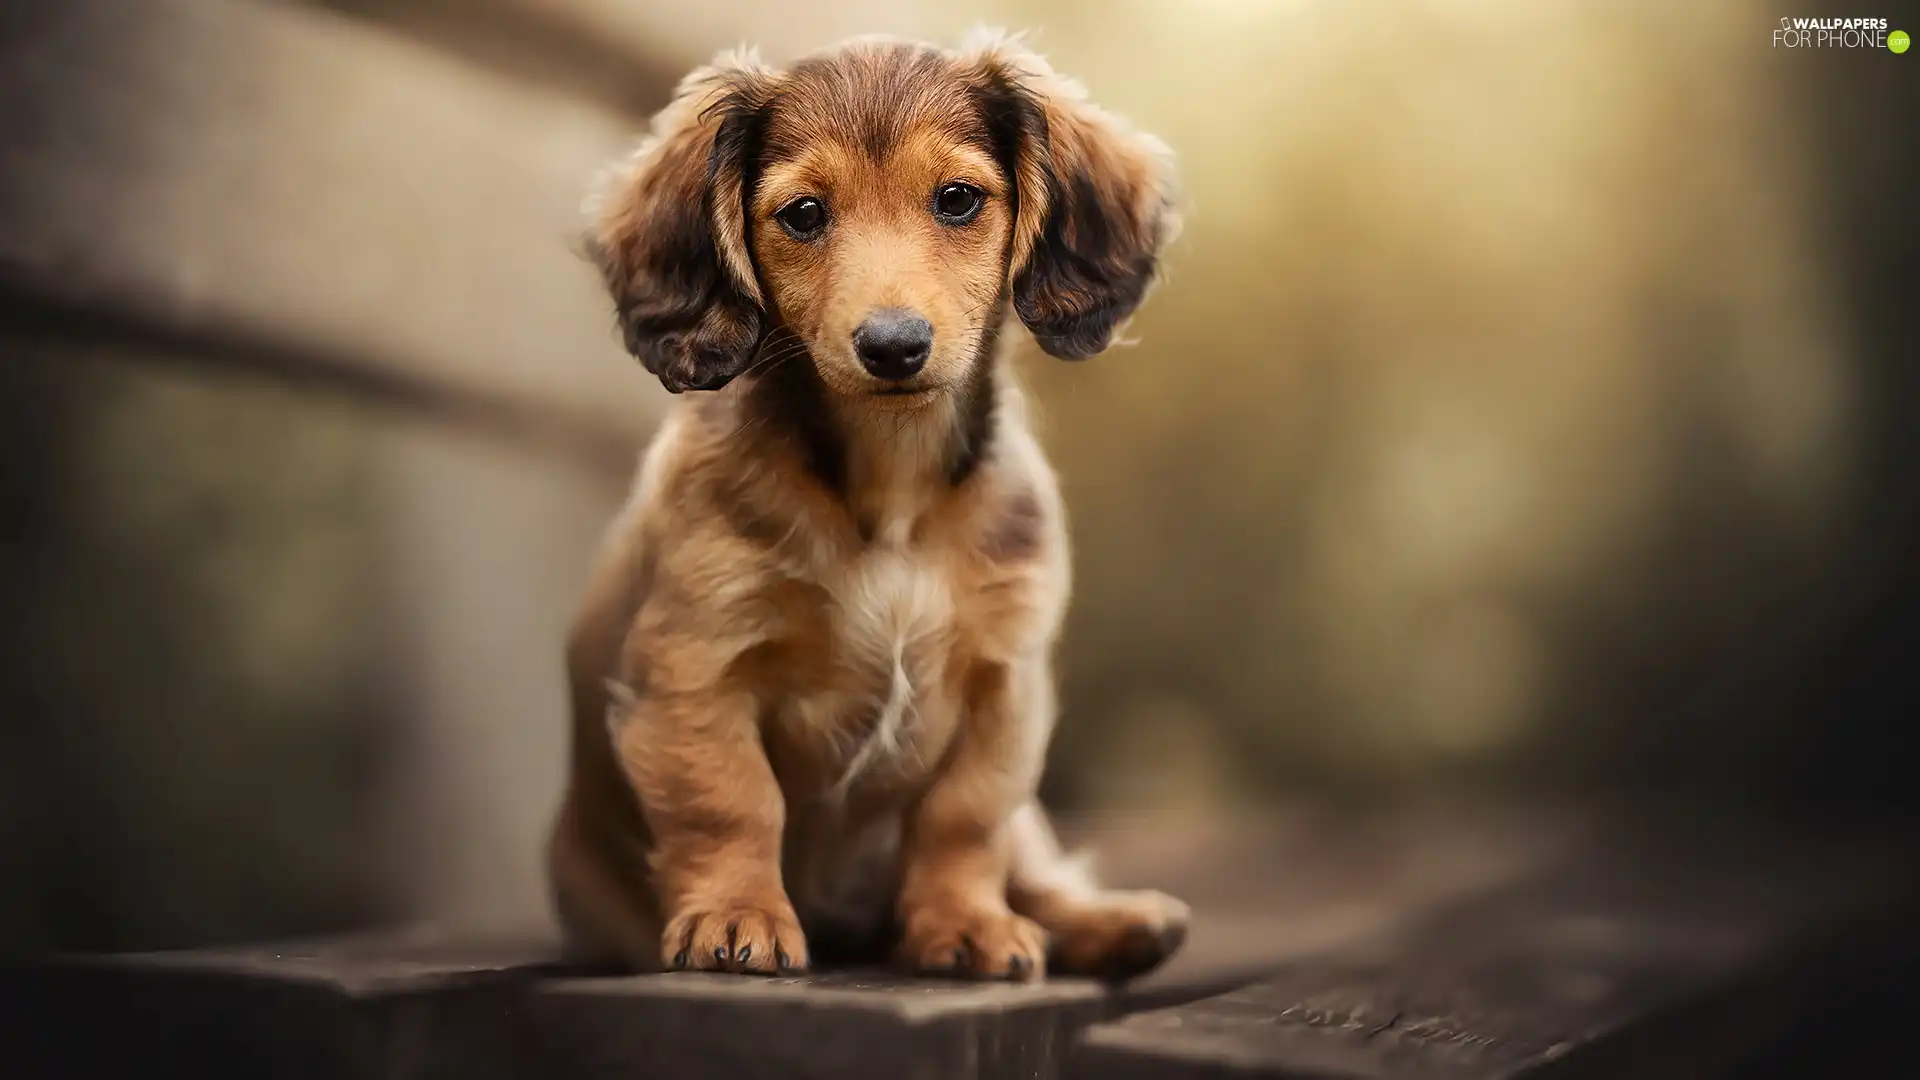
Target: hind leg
x: 1104, y: 933
x: 604, y: 907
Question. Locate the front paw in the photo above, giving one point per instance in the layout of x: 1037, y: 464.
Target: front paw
x: 757, y: 936
x: 973, y: 942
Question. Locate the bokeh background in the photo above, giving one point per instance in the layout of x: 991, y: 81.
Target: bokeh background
x: 1529, y: 410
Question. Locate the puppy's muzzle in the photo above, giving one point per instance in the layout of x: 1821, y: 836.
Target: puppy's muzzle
x: 893, y: 344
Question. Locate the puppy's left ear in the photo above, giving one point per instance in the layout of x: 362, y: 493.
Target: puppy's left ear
x: 1095, y: 199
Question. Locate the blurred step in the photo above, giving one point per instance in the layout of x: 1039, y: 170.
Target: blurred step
x: 1640, y: 952
x: 279, y: 190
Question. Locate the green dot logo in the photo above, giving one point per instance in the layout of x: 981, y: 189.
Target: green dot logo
x: 1898, y: 41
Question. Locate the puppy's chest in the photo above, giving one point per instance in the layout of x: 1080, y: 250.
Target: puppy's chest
x: 874, y: 652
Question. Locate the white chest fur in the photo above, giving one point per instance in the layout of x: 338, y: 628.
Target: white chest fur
x: 891, y: 617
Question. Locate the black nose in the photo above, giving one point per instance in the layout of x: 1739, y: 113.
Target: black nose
x: 893, y: 343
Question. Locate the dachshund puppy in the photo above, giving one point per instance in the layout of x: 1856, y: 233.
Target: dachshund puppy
x: 811, y: 681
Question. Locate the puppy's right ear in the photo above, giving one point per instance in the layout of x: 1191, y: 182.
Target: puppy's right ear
x: 669, y: 230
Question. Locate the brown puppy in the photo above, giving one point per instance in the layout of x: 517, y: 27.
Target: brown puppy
x: 811, y: 684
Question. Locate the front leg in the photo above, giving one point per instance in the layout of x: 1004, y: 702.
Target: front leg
x: 953, y: 895
x: 716, y: 813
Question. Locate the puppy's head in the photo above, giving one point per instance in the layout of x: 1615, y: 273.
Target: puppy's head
x: 880, y: 204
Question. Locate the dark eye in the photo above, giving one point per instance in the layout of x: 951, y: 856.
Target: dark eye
x: 803, y: 218
x: 957, y: 204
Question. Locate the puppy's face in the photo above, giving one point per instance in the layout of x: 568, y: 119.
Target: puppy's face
x: 880, y: 205
x: 881, y: 224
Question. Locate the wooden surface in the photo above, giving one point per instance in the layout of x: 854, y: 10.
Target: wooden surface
x: 825, y: 1026
x: 404, y: 1005
x: 1636, y: 952
x: 1442, y: 945
x: 1283, y: 886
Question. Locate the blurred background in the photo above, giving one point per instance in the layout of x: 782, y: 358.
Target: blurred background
x: 1528, y: 410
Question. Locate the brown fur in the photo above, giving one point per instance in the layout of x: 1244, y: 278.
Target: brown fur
x: 811, y: 681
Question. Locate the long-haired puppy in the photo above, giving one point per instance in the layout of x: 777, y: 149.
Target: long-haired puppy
x: 811, y: 683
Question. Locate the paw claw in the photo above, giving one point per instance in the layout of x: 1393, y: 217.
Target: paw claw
x: 982, y: 944
x: 740, y: 936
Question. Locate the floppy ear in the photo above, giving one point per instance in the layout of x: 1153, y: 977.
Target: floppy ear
x: 1095, y: 200
x: 670, y: 234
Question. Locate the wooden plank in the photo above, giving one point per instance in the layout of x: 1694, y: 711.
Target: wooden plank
x: 406, y: 1005
x: 277, y: 181
x: 1635, y: 955
x: 1297, y: 881
x: 1266, y: 892
x: 1621, y: 955
x: 698, y: 1026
